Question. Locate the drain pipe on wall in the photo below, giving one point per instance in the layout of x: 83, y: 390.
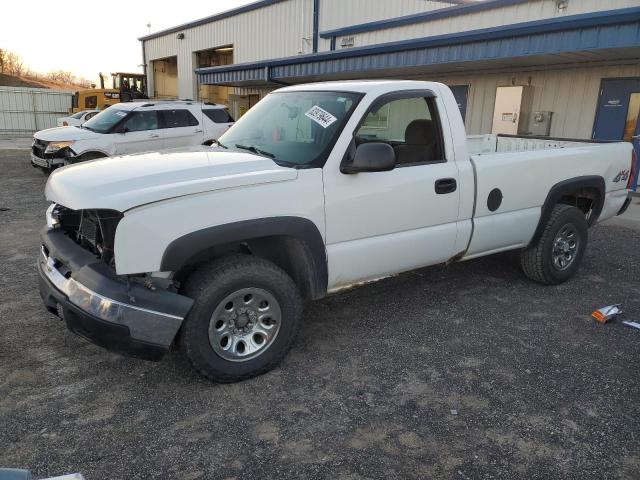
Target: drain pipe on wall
x: 316, y: 22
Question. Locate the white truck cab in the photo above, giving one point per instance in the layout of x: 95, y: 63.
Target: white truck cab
x: 317, y: 188
x: 132, y: 127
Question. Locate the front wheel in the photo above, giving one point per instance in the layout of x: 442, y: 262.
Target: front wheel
x: 557, y: 254
x: 244, y: 319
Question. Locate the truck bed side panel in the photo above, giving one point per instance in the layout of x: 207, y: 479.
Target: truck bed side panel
x: 524, y: 180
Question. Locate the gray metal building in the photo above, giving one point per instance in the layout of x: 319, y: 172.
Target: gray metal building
x: 575, y: 63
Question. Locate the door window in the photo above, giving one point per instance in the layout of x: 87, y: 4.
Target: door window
x: 218, y: 115
x: 410, y: 126
x: 178, y: 118
x: 140, y: 121
x: 91, y: 101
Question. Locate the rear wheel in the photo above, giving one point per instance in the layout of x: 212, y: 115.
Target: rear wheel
x: 244, y: 320
x: 557, y: 254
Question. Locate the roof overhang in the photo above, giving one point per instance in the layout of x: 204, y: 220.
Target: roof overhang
x: 593, y: 37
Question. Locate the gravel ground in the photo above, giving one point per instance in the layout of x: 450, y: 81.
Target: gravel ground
x: 467, y: 372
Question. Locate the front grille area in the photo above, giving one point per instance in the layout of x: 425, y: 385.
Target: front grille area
x: 88, y: 229
x: 94, y: 230
x: 38, y: 148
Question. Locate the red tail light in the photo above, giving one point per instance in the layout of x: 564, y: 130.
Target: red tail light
x: 634, y: 170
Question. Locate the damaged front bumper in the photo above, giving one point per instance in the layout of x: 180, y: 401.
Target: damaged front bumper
x: 46, y: 163
x: 51, y: 161
x: 123, y: 317
x: 42, y: 157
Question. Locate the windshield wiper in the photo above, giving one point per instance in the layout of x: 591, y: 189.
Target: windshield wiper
x: 88, y: 128
x: 255, y: 150
x: 220, y: 144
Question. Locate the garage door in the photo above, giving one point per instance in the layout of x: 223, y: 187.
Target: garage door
x: 165, y: 78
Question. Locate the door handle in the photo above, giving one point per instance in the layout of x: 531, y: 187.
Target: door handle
x: 154, y: 135
x: 198, y: 131
x: 446, y: 185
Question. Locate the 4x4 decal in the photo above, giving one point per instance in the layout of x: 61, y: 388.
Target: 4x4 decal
x: 622, y: 176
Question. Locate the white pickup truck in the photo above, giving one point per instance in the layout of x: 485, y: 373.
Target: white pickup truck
x: 317, y: 188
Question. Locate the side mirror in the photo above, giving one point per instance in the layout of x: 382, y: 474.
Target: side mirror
x: 371, y: 157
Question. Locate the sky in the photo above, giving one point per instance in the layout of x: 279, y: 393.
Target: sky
x: 87, y: 37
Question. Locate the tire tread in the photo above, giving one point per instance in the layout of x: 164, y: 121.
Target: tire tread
x: 211, y: 273
x: 532, y: 259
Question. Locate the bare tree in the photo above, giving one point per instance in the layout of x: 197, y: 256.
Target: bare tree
x: 18, y: 66
x: 61, y: 76
x: 83, y: 82
x: 13, y: 64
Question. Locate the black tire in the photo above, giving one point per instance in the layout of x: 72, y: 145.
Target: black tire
x: 537, y: 261
x: 209, y: 286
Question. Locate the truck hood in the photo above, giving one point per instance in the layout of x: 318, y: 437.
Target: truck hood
x: 123, y: 183
x: 65, y: 134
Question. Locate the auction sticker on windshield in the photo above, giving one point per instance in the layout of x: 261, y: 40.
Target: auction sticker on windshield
x: 320, y: 116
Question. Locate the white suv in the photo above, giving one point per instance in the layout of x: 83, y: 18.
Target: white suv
x: 131, y: 127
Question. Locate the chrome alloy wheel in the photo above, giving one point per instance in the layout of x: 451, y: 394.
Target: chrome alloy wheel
x: 245, y: 324
x: 565, y: 247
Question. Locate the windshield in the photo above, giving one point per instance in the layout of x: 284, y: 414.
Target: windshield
x: 293, y: 128
x: 105, y: 120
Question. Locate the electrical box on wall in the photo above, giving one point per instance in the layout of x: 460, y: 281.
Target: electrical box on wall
x: 540, y: 125
x: 512, y: 110
x: 347, y: 42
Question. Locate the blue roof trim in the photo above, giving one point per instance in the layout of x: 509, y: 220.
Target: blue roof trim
x: 554, y: 44
x: 213, y: 18
x: 563, y: 24
x: 429, y: 16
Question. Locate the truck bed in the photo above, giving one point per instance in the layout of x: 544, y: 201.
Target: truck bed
x: 523, y: 170
x: 480, y: 144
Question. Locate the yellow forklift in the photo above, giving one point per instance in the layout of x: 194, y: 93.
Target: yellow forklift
x: 126, y: 87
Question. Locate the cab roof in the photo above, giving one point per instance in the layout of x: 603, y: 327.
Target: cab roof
x: 364, y: 86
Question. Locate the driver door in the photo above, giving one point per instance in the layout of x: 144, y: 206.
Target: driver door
x: 382, y: 223
x: 140, y: 133
x: 180, y: 128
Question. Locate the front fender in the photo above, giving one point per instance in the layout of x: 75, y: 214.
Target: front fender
x: 182, y: 250
x: 158, y: 236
